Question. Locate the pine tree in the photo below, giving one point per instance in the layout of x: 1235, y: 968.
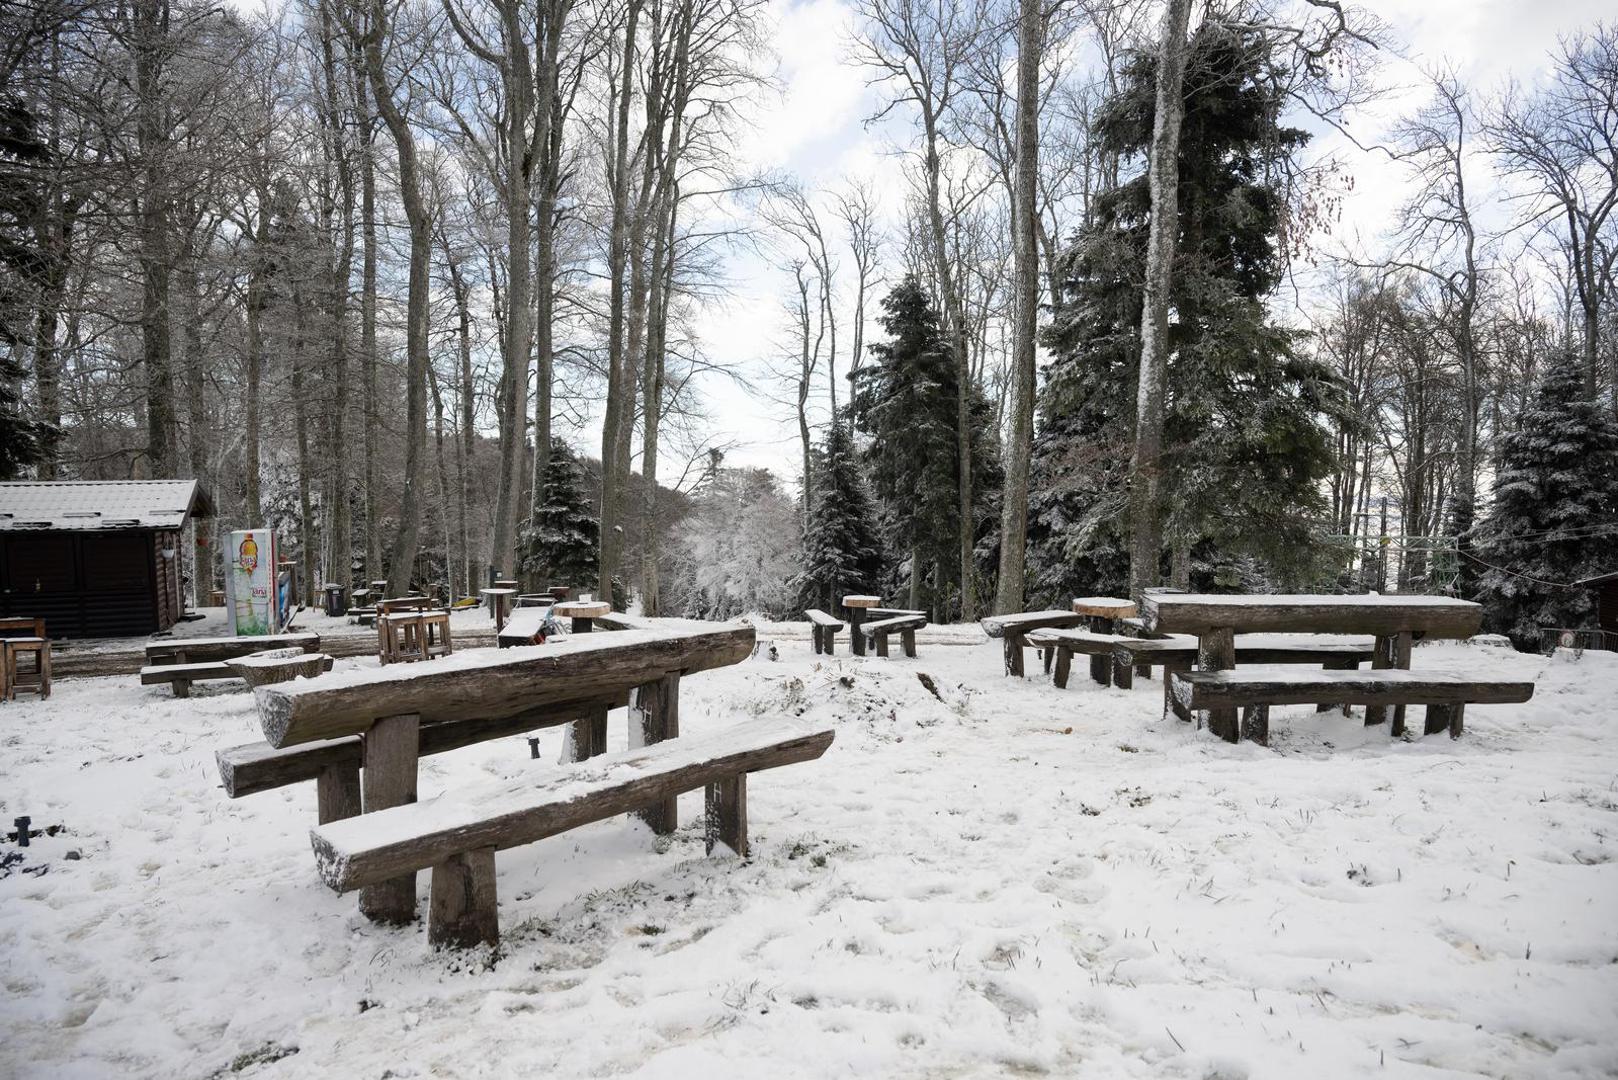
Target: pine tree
x: 906, y: 400
x: 842, y: 553
x: 559, y: 546
x: 1244, y: 448
x: 1556, y: 485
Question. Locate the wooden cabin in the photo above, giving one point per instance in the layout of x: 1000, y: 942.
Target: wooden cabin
x: 95, y: 558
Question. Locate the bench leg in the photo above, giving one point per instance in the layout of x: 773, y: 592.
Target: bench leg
x: 337, y: 792
x: 1101, y: 669
x: 659, y: 706
x: 1013, y: 650
x: 1445, y: 718
x: 907, y: 644
x: 831, y: 642
x: 882, y: 645
x: 1123, y: 675
x: 1048, y: 656
x: 391, y: 749
x: 1143, y: 671
x: 814, y: 638
x: 1216, y: 651
x: 726, y: 821
x: 1064, y: 666
x: 182, y: 687
x: 462, y: 911
x: 1256, y: 724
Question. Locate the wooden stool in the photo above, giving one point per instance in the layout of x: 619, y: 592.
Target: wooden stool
x: 402, y: 637
x: 36, y: 679
x: 435, y: 637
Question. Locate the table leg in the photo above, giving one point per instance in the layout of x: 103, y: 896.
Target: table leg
x: 391, y: 750
x: 856, y: 616
x: 583, y: 626
x: 1216, y: 651
x: 1013, y: 647
x: 1390, y: 651
x: 659, y: 706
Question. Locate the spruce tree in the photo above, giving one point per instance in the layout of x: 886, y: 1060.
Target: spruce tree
x: 842, y: 553
x: 1555, y: 499
x: 559, y: 546
x: 906, y: 400
x: 1245, y: 449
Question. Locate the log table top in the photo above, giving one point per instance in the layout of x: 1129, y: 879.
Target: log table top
x: 861, y: 602
x: 1106, y: 607
x: 581, y: 609
x: 1196, y: 613
x: 488, y: 684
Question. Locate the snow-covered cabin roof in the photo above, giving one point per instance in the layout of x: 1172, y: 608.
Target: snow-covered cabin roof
x: 80, y: 505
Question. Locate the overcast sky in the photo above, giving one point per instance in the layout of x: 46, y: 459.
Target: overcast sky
x: 815, y: 127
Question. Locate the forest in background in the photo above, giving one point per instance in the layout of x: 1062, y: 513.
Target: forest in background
x: 357, y: 265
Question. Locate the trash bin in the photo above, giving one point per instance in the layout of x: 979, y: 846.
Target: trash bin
x: 336, y: 602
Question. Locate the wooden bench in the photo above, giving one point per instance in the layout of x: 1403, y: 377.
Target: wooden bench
x: 823, y: 630
x: 1014, y: 630
x: 905, y: 625
x: 393, y: 710
x: 457, y: 835
x: 183, y: 661
x: 335, y: 763
x: 1064, y: 643
x: 1445, y: 696
x: 1178, y: 652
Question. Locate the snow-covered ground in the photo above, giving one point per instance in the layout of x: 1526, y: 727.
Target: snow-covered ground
x: 1003, y: 879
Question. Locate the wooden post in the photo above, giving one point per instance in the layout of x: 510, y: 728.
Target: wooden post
x: 337, y: 792
x: 1256, y: 724
x: 726, y: 820
x: 1216, y: 651
x: 1457, y: 719
x: 1169, y: 668
x: 907, y: 641
x: 1390, y: 651
x: 1048, y: 656
x: 1337, y: 664
x: 1123, y: 675
x: 882, y: 645
x: 1064, y: 665
x: 1101, y: 666
x: 596, y: 719
x: 1401, y: 660
x: 814, y: 635
x: 659, y: 706
x: 1013, y: 649
x: 462, y: 910
x: 856, y: 616
x: 391, y: 749
x: 1437, y: 719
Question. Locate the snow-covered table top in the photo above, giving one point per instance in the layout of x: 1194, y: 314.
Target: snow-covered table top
x: 1197, y: 613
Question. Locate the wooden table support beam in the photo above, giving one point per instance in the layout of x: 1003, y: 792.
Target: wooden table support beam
x: 391, y: 750
x: 659, y: 706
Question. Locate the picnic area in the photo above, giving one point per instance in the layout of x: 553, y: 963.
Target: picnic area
x: 745, y: 850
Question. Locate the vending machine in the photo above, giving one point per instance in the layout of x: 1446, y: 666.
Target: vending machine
x: 251, y: 595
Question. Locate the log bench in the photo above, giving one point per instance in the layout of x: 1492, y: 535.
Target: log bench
x: 1014, y: 630
x: 1178, y: 652
x: 823, y: 631
x: 1064, y: 643
x: 905, y: 625
x: 335, y: 764
x: 183, y: 661
x: 457, y: 835
x: 1444, y: 695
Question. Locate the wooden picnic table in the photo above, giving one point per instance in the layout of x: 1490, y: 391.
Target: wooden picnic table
x: 857, y: 605
x: 1395, y: 621
x: 392, y: 706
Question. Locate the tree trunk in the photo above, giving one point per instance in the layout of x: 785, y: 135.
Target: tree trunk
x: 619, y: 409
x: 1025, y: 251
x: 151, y: 46
x: 368, y: 352
x: 402, y: 553
x: 1145, y: 488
